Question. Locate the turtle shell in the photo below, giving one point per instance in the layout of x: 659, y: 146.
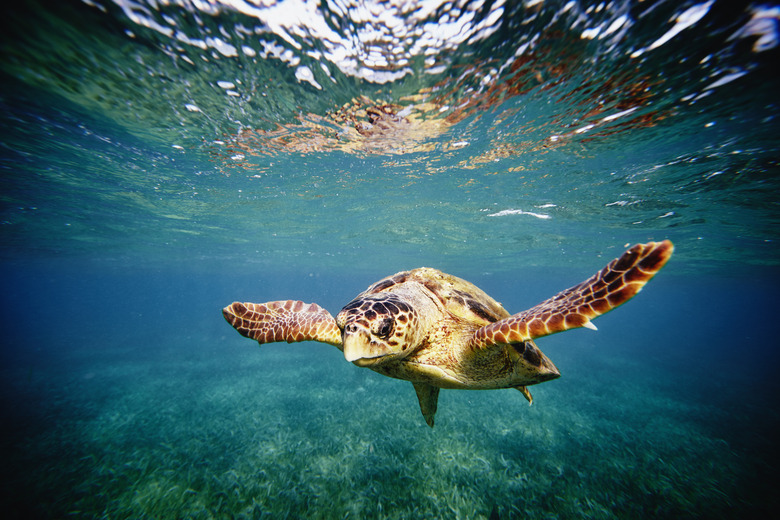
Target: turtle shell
x: 461, y: 298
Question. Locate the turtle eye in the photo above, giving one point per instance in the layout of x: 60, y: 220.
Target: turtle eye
x: 384, y: 327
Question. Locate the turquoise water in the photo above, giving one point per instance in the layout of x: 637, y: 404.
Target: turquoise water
x: 161, y: 160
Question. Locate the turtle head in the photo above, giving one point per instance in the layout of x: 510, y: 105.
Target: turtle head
x: 378, y: 328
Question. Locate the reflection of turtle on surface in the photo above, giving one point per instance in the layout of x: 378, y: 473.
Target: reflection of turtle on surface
x: 439, y: 331
x: 373, y: 119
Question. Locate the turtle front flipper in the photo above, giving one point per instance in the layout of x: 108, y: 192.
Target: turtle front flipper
x: 289, y: 321
x: 614, y: 285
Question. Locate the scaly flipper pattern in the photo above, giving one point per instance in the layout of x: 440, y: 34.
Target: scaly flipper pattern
x: 614, y: 285
x: 288, y: 320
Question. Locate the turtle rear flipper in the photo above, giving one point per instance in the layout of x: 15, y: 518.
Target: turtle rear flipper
x: 288, y: 320
x: 428, y: 395
x: 614, y: 285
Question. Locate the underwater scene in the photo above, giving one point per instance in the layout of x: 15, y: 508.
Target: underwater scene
x: 162, y: 159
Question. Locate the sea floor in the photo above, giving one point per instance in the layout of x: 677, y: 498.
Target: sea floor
x: 210, y: 426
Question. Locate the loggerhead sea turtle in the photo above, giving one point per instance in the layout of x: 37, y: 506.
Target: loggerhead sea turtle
x: 439, y: 331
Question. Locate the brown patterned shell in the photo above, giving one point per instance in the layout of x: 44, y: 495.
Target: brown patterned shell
x: 461, y: 298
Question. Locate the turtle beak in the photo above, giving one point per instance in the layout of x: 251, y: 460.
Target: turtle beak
x: 353, y: 347
x: 358, y: 348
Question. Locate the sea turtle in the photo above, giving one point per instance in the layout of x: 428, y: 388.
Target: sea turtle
x: 439, y: 331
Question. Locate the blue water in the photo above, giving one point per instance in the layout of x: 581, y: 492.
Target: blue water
x: 158, y: 162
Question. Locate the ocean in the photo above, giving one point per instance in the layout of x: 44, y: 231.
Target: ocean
x: 160, y: 160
